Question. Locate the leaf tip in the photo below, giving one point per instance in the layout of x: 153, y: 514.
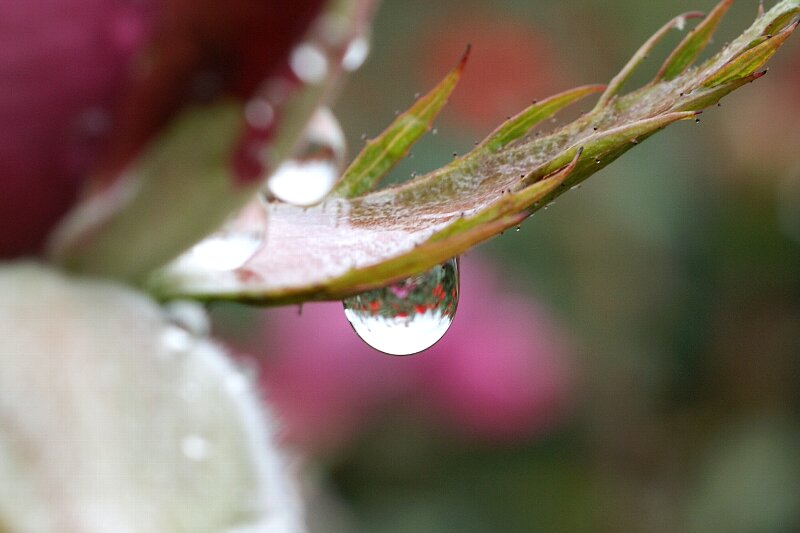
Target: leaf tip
x: 464, y: 57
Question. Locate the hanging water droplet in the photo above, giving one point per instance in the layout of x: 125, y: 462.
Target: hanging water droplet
x: 408, y: 316
x: 309, y: 177
x: 230, y: 247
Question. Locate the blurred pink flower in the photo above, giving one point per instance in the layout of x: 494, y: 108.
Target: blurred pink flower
x: 62, y: 66
x: 511, y: 63
x: 85, y: 84
x: 501, y: 373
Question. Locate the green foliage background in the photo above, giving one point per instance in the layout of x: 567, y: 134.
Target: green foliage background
x: 676, y: 272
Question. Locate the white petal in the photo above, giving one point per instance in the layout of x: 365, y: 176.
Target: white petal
x: 114, y: 419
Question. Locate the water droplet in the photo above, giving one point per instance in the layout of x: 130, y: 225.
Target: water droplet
x: 236, y: 383
x: 309, y: 63
x: 356, y: 53
x: 189, y: 316
x: 309, y: 177
x: 408, y: 316
x: 176, y: 339
x: 230, y: 247
x: 517, y: 228
x: 259, y: 113
x: 434, y: 131
x: 680, y: 23
x: 195, y: 447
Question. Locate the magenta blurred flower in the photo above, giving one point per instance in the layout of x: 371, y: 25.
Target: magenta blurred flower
x: 85, y: 84
x: 501, y: 373
x: 63, y: 64
x: 511, y: 63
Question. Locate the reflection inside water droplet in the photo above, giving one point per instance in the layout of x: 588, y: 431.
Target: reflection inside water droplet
x: 408, y: 316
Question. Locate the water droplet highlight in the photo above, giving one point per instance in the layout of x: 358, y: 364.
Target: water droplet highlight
x: 356, y: 53
x: 408, y: 316
x: 195, y: 447
x: 309, y: 63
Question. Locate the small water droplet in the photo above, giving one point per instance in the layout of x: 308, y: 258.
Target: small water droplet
x: 309, y: 63
x: 236, y: 383
x: 680, y: 23
x: 518, y: 228
x: 176, y: 339
x: 189, y: 316
x: 195, y: 447
x: 434, y: 131
x: 356, y: 53
x: 408, y: 316
x: 259, y: 113
x: 417, y: 95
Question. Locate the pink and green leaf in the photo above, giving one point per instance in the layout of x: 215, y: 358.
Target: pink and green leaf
x: 693, y: 44
x: 379, y: 155
x: 349, y: 244
x: 183, y: 184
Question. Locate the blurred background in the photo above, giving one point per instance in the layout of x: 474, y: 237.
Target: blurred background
x: 628, y: 361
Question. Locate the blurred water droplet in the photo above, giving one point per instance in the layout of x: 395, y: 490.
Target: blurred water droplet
x: 434, y: 131
x: 195, y: 447
x: 188, y: 315
x: 309, y: 177
x: 309, y: 63
x: 230, y: 247
x: 236, y: 383
x: 356, y: 53
x: 259, y: 113
x: 408, y: 316
x: 176, y: 339
x: 680, y: 23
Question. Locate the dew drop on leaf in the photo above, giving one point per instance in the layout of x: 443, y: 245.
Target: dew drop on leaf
x: 408, y: 316
x: 230, y: 247
x: 310, y: 175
